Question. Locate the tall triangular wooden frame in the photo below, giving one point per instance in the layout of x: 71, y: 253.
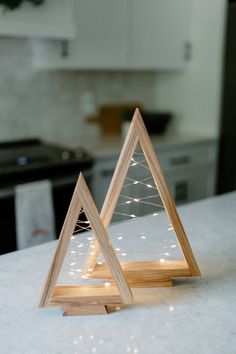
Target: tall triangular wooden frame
x: 150, y: 273
x: 84, y: 299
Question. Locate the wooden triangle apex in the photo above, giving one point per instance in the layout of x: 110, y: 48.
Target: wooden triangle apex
x: 82, y: 199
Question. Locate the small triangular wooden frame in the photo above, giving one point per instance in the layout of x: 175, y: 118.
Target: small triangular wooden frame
x: 85, y: 299
x: 138, y: 134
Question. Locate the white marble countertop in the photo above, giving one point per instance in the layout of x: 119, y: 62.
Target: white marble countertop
x: 195, y: 316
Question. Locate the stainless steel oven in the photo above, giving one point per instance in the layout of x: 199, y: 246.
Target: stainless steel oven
x: 33, y: 160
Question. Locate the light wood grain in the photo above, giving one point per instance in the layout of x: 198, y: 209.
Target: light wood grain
x: 138, y: 133
x: 114, y: 189
x: 82, y: 198
x: 93, y: 295
x: 165, y: 195
x: 62, y: 246
x: 104, y: 242
x: 78, y: 310
x: 146, y: 274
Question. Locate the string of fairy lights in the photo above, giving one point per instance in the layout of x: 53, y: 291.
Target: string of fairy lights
x: 138, y: 160
x: 146, y: 196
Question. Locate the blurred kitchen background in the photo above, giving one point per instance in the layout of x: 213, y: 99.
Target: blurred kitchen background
x: 71, y: 73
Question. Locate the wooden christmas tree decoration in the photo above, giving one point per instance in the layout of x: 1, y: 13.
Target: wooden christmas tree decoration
x: 121, y: 276
x: 91, y: 299
x: 144, y: 274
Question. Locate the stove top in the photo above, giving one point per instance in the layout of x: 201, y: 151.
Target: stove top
x: 32, y: 159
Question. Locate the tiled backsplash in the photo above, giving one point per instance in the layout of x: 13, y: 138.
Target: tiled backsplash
x: 47, y: 104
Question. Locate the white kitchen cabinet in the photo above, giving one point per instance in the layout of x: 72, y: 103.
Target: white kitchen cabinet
x: 190, y: 171
x: 159, y: 32
x: 103, y: 170
x: 124, y: 34
x: 52, y: 19
x: 100, y: 41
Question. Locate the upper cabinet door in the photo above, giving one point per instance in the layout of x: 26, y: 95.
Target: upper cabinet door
x: 53, y: 19
x: 100, y: 43
x: 121, y: 34
x: 158, y: 31
x: 101, y: 37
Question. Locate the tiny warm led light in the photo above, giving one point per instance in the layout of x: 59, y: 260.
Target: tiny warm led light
x: 117, y: 249
x: 72, y: 263
x: 86, y: 222
x: 135, y: 182
x: 133, y: 216
x: 92, y: 246
x: 117, y: 308
x: 107, y: 284
x: 143, y: 237
x: 128, y: 202
x: 85, y: 276
x: 170, y: 228
x: 173, y: 246
x: 120, y: 238
x: 136, y: 200
x: 72, y: 237
x: 162, y: 260
x: 90, y: 269
x: 134, y: 164
x: 171, y: 308
x: 166, y: 254
x: 154, y: 214
x: 123, y: 254
x: 149, y: 185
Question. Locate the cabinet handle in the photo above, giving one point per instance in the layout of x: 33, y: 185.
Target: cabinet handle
x: 107, y: 173
x: 64, y: 48
x: 188, y: 51
x: 181, y: 191
x: 182, y: 160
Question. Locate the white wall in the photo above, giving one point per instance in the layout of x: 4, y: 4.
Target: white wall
x: 47, y: 104
x: 194, y: 95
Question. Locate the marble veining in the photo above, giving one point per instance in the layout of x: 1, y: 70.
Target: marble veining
x: 195, y: 316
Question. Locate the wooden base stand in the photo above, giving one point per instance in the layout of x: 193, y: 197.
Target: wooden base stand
x: 80, y: 310
x: 146, y: 274
x: 85, y: 300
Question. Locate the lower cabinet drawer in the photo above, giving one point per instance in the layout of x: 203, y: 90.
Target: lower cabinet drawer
x: 198, y: 185
x: 187, y: 158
